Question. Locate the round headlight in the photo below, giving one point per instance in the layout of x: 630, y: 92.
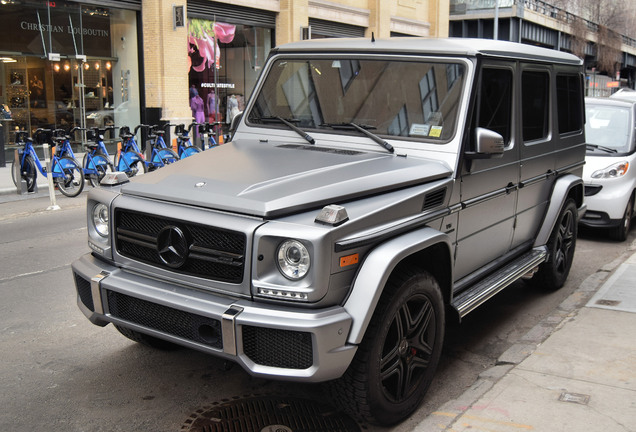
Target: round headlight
x: 293, y: 259
x: 100, y: 219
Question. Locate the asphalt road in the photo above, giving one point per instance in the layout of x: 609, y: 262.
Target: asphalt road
x: 59, y: 372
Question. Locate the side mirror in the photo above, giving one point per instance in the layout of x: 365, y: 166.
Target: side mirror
x: 234, y: 124
x: 488, y: 144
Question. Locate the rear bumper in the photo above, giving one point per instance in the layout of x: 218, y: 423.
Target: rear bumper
x: 267, y: 340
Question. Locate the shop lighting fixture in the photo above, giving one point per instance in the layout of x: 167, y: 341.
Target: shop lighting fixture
x: 67, y: 67
x: 108, y: 66
x: 87, y: 66
x: 8, y: 60
x: 56, y: 67
x: 97, y: 66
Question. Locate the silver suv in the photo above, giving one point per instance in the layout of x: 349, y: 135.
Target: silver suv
x: 373, y: 190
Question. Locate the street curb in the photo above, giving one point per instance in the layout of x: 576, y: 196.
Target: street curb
x: 446, y: 415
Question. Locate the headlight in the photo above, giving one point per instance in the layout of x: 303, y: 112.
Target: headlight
x: 612, y: 171
x: 100, y: 219
x: 293, y: 259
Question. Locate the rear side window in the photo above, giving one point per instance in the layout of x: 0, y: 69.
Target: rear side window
x: 535, y: 105
x: 569, y: 103
x: 495, y: 103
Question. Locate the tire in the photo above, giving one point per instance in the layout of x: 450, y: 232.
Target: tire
x: 396, y: 361
x: 620, y: 232
x: 72, y: 183
x: 147, y: 340
x: 28, y: 172
x: 553, y: 272
x: 102, y: 166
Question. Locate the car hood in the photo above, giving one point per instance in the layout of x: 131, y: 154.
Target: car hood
x: 268, y: 179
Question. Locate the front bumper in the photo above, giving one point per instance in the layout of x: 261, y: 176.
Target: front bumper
x: 269, y: 341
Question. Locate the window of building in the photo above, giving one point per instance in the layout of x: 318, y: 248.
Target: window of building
x: 226, y: 60
x: 78, y: 65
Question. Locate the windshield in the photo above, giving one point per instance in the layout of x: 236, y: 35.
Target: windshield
x: 607, y: 127
x: 418, y: 100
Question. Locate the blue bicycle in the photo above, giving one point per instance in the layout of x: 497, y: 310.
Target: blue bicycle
x: 129, y: 157
x: 67, y: 174
x: 185, y: 147
x: 160, y: 154
x: 63, y: 143
x: 96, y: 161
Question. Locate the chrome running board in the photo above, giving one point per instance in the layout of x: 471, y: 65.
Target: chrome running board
x: 485, y: 289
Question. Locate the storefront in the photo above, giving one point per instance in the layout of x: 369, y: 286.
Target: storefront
x: 226, y: 55
x: 66, y: 64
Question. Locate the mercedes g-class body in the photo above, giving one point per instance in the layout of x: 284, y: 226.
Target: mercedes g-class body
x: 372, y: 191
x: 609, y: 173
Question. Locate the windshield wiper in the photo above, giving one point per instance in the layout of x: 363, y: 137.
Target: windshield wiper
x: 290, y: 125
x: 362, y: 129
x: 598, y: 147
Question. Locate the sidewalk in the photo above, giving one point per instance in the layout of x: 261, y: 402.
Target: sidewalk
x: 581, y: 378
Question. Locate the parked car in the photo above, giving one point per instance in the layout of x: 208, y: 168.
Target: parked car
x: 373, y: 190
x: 610, y: 170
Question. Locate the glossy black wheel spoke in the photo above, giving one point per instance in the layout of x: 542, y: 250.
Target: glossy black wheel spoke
x: 408, y: 348
x: 565, y: 241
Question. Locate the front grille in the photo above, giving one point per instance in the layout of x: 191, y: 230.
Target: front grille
x: 189, y: 326
x: 204, y: 251
x: 278, y: 348
x: 84, y: 291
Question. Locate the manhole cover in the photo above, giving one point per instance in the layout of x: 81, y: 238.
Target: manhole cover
x: 269, y: 414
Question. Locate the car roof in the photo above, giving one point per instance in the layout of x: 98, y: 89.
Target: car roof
x: 463, y: 47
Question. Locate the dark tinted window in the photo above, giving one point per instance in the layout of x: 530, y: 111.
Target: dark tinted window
x: 495, y: 101
x: 569, y: 103
x: 535, y: 105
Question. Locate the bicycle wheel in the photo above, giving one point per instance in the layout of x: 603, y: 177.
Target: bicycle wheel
x: 28, y: 172
x: 100, y: 166
x: 189, y: 151
x: 71, y: 183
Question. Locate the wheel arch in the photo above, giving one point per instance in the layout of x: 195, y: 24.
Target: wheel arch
x: 425, y: 249
x: 566, y: 187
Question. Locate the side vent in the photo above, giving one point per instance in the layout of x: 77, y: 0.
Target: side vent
x: 434, y: 199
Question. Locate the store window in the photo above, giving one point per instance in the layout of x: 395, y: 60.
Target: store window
x: 225, y: 61
x: 65, y: 64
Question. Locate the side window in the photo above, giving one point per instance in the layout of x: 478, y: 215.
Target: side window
x: 569, y: 103
x: 535, y: 105
x: 495, y: 101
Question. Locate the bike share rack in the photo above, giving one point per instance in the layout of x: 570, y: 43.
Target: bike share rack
x: 21, y: 187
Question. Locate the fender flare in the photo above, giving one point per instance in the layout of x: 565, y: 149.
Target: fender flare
x: 375, y: 271
x: 560, y: 193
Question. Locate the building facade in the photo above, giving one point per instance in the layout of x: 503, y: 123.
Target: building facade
x: 94, y: 63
